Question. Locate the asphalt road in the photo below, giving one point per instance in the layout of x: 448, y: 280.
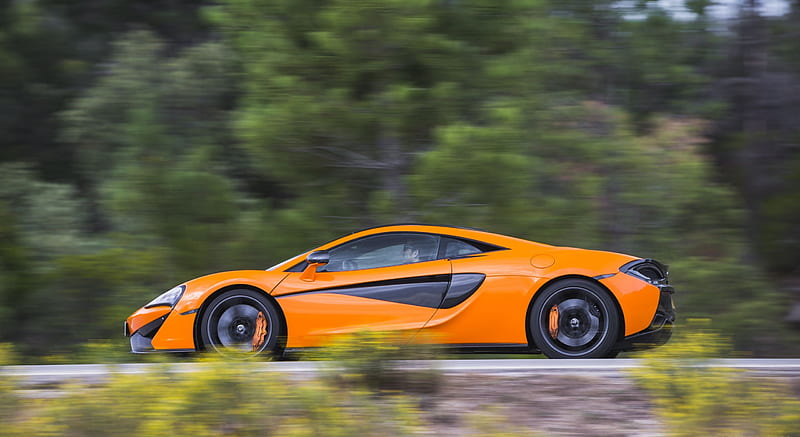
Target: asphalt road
x: 96, y: 373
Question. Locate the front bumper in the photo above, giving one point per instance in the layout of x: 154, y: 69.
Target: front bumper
x: 660, y: 329
x: 160, y: 329
x: 142, y: 339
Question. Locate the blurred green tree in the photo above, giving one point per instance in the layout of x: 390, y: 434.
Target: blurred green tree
x: 183, y: 147
x: 40, y: 222
x: 339, y: 97
x: 153, y: 137
x: 16, y: 275
x: 37, y: 72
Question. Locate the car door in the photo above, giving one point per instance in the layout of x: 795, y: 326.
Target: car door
x: 385, y: 282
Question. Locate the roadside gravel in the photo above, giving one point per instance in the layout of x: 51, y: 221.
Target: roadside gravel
x: 546, y: 405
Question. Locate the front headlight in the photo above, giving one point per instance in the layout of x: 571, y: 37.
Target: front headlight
x: 167, y: 299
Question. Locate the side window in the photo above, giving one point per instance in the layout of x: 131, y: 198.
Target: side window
x: 383, y: 251
x: 456, y: 248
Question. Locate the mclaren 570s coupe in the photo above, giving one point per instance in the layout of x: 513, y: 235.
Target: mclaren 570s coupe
x: 465, y: 288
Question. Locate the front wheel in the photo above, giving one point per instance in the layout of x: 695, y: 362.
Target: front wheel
x: 241, y: 322
x: 575, y: 318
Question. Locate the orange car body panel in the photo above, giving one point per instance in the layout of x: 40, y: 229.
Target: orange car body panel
x: 312, y: 319
x: 494, y: 314
x: 637, y: 299
x: 177, y: 322
x: 198, y: 290
x: 146, y: 315
x: 311, y: 315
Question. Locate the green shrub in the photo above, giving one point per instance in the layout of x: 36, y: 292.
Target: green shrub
x: 8, y: 354
x: 9, y: 400
x: 695, y: 397
x: 381, y: 361
x: 222, y: 398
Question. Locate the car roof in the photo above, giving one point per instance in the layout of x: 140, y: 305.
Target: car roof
x: 457, y: 231
x: 419, y: 224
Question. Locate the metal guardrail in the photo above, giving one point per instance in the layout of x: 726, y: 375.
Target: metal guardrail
x: 97, y: 373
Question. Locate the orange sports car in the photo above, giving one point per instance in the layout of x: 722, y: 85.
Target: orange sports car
x: 462, y: 287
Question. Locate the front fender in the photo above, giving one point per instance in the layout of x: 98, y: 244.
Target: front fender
x: 198, y: 290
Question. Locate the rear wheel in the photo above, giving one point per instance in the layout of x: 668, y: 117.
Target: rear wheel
x: 575, y: 318
x: 241, y: 322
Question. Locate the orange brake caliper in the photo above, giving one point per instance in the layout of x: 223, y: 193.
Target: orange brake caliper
x: 554, y: 322
x: 260, y: 333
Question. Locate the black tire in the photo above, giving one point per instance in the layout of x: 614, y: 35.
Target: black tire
x: 230, y: 321
x: 586, y: 322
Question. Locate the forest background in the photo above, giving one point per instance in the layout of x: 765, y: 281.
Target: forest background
x: 145, y: 143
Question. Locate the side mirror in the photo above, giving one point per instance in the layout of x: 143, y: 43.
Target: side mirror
x: 314, y: 260
x: 319, y: 257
